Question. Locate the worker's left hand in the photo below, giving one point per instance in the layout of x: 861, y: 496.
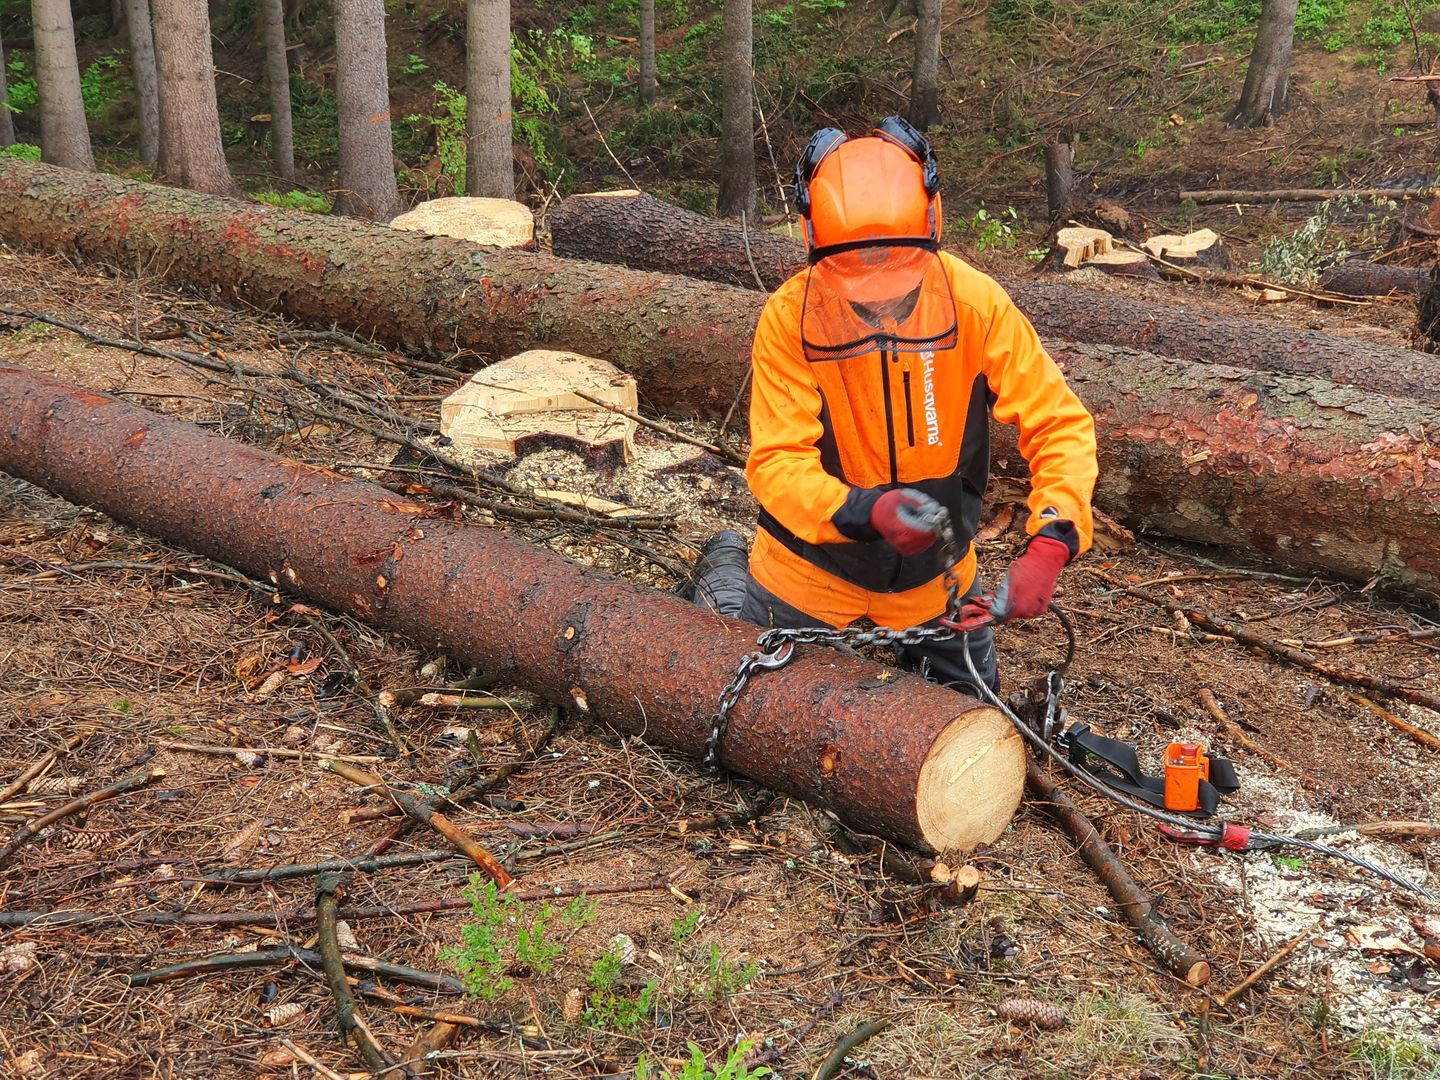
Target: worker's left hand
x: 1030, y: 582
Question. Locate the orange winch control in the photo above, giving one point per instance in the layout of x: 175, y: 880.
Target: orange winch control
x: 1186, y: 765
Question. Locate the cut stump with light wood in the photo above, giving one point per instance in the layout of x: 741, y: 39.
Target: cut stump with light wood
x: 529, y: 403
x: 500, y: 223
x: 1200, y: 248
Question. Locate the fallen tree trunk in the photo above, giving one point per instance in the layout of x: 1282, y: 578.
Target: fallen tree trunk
x: 643, y: 232
x: 1361, y: 278
x: 1203, y: 198
x: 893, y: 755
x: 1063, y: 312
x: 687, y: 342
x: 1311, y: 475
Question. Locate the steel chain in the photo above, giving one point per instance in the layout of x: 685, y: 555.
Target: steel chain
x: 776, y: 646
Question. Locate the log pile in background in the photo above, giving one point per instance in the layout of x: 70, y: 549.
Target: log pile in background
x: 890, y: 754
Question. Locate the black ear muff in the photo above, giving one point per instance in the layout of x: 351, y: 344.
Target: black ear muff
x: 816, y: 151
x: 905, y: 135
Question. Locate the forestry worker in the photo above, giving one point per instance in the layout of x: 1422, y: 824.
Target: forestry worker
x: 875, y: 371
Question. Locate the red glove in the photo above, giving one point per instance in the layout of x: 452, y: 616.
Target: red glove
x: 906, y: 519
x: 1030, y: 582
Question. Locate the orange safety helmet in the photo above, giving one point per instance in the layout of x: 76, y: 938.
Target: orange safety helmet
x: 871, y: 206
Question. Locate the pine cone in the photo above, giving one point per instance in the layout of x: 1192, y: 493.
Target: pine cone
x: 1041, y: 1014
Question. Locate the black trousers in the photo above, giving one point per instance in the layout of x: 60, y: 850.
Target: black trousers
x: 730, y: 590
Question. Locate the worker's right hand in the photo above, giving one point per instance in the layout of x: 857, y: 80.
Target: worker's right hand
x: 908, y: 520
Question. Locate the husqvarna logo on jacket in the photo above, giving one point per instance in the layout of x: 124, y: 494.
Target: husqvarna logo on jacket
x: 932, y: 416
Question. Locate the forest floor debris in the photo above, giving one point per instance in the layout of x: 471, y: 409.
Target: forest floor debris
x: 782, y: 933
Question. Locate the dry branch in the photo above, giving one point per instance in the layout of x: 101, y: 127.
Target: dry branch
x: 347, y: 1014
x: 31, y: 829
x: 285, y: 954
x: 37, y: 769
x: 1135, y: 905
x: 426, y: 814
x: 1221, y: 717
x: 1211, y: 198
x: 1279, y: 957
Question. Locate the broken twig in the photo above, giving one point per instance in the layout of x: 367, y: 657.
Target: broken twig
x: 31, y: 829
x: 347, y: 1014
x: 1279, y: 957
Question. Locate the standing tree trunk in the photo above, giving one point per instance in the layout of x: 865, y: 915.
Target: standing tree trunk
x: 647, y: 52
x: 191, y: 152
x: 142, y: 68
x: 7, y: 121
x: 1059, y: 179
x: 924, y: 100
x: 737, y: 115
x: 64, y: 138
x: 367, y: 160
x: 277, y: 74
x: 1268, y: 79
x: 489, y: 153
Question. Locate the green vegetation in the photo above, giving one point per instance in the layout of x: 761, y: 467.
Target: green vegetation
x: 609, y: 1007
x: 998, y: 231
x: 1386, y: 1057
x: 502, y: 940
x: 21, y: 150
x: 313, y: 201
x: 101, y: 85
x: 698, y: 1069
x: 723, y: 978
x: 20, y: 81
x: 1299, y: 257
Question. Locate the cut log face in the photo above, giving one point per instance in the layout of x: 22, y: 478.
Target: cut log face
x: 1122, y: 264
x: 529, y: 403
x: 966, y: 766
x: 497, y: 223
x: 1201, y: 248
x: 1077, y: 244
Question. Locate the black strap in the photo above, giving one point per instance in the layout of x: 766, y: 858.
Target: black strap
x: 926, y: 243
x: 1119, y: 767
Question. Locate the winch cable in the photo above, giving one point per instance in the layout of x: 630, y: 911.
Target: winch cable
x: 1215, y: 831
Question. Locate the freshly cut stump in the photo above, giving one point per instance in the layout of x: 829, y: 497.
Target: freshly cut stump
x: 1078, y: 244
x: 529, y: 402
x: 1201, y: 248
x: 499, y: 223
x: 971, y: 781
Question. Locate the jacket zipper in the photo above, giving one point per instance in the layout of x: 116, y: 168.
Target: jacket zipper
x: 909, y: 410
x: 885, y: 355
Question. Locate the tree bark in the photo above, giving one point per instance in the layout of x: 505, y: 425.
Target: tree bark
x: 1267, y: 80
x: 192, y: 154
x: 738, y: 194
x: 1314, y: 475
x: 7, y: 119
x: 362, y: 90
x: 1361, y: 278
x: 925, y: 75
x: 1308, y: 474
x: 142, y: 69
x: 1063, y: 312
x: 647, y: 53
x: 889, y: 753
x: 1059, y: 178
x: 277, y: 74
x: 489, y: 148
x: 641, y: 231
x: 64, y: 138
x: 1428, y: 322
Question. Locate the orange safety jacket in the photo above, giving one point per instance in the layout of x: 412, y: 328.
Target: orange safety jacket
x: 828, y: 436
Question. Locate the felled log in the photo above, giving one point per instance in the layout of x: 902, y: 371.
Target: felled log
x: 1200, y: 248
x: 1427, y: 328
x: 687, y: 342
x: 1303, y: 195
x: 891, y: 754
x: 1062, y: 312
x: 635, y: 229
x: 1309, y: 474
x: 1360, y: 278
